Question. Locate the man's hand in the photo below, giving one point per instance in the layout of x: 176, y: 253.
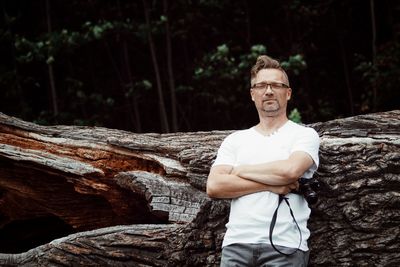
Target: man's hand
x: 284, y: 189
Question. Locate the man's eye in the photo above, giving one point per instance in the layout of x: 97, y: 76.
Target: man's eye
x: 277, y: 85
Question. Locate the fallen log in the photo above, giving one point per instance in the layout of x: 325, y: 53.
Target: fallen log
x: 90, y: 196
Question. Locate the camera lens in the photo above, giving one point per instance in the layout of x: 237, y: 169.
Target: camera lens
x: 311, y: 197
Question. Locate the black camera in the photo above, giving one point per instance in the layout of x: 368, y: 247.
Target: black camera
x: 307, y: 188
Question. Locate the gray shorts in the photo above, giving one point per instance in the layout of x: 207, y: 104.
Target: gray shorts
x: 261, y: 255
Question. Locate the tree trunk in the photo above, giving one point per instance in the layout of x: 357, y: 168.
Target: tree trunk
x: 135, y: 114
x: 373, y: 45
x: 170, y: 70
x: 161, y: 105
x: 130, y: 199
x: 346, y: 73
x: 132, y: 118
x: 53, y: 90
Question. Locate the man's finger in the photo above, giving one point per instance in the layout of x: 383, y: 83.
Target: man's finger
x: 297, y: 185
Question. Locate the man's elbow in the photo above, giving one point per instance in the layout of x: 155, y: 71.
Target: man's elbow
x: 296, y: 166
x: 211, y: 193
x: 212, y: 189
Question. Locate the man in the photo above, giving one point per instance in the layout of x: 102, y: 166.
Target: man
x: 254, y: 166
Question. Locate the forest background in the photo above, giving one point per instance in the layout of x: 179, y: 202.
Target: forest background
x: 168, y: 66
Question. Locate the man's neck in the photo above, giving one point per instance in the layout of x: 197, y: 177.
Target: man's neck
x: 269, y: 125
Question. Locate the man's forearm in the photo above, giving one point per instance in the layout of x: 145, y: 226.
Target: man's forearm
x: 233, y: 186
x: 278, y: 172
x: 272, y: 173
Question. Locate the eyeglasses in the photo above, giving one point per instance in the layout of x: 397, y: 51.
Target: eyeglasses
x: 264, y: 85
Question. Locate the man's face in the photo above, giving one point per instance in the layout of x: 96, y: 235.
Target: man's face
x: 270, y: 92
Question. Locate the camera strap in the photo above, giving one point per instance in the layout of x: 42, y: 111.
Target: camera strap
x: 272, y: 226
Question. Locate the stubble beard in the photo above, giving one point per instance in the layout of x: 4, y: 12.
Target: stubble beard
x: 271, y: 110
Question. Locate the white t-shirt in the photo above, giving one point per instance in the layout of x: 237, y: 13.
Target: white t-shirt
x: 250, y: 215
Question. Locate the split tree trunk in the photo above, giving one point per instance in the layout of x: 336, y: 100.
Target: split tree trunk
x: 139, y: 199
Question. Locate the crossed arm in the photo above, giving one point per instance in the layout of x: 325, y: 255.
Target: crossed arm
x: 280, y: 177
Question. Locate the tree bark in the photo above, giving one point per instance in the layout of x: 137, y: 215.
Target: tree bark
x: 139, y: 199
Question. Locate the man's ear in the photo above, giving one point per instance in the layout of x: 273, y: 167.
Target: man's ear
x: 289, y: 94
x: 251, y: 94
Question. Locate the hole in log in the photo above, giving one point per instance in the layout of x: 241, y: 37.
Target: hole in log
x: 39, y: 204
x: 22, y: 235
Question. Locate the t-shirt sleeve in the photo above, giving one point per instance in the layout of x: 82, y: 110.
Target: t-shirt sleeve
x: 226, y: 152
x: 308, y: 141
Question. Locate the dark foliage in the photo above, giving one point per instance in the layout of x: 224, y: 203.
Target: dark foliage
x: 186, y: 67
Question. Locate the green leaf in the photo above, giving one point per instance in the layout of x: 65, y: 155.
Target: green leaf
x: 80, y: 94
x: 147, y: 84
x: 258, y: 49
x: 50, y: 60
x: 198, y: 71
x: 163, y: 18
x: 97, y: 32
x: 110, y: 102
x: 223, y: 49
x: 295, y: 116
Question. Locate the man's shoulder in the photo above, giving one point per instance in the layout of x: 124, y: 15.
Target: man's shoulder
x: 302, y: 128
x: 241, y: 133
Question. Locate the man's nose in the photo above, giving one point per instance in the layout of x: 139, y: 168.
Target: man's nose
x: 269, y: 90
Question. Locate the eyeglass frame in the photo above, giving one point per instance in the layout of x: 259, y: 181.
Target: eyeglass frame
x: 271, y: 85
